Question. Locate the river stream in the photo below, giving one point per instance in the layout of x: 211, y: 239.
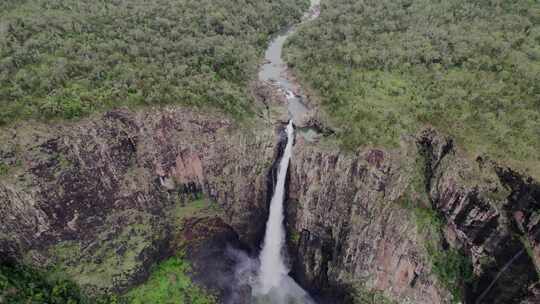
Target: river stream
x: 275, y: 71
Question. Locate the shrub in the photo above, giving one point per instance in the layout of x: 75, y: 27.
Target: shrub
x: 169, y: 280
x: 21, y: 284
x: 451, y: 266
x: 4, y: 169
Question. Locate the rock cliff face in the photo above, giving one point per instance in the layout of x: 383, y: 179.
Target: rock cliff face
x: 102, y: 192
x: 483, y: 205
x: 350, y: 225
x: 352, y: 228
x: 108, y: 196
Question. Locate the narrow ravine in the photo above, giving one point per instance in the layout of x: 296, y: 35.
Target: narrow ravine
x: 273, y: 283
x: 273, y: 269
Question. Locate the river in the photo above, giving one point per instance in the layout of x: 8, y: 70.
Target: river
x: 273, y: 283
x: 275, y: 71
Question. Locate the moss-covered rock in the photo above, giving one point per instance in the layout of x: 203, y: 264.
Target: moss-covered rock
x: 119, y: 255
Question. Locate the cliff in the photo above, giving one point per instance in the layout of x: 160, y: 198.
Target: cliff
x: 421, y: 224
x: 103, y: 199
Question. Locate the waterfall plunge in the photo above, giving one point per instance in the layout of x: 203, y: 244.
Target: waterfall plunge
x: 273, y: 269
x: 274, y: 283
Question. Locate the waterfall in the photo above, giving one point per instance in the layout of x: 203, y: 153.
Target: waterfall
x: 273, y: 281
x: 273, y: 270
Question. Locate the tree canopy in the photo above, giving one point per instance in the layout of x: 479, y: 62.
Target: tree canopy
x: 384, y: 68
x: 67, y: 58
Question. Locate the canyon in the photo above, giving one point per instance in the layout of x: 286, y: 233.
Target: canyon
x: 102, y: 192
x: 104, y: 198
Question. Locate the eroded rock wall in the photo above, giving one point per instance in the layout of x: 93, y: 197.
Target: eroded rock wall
x: 349, y: 225
x: 70, y: 186
x: 490, y: 214
x: 352, y: 227
x: 100, y: 193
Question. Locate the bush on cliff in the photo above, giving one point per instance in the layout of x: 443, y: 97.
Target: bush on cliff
x: 452, y: 268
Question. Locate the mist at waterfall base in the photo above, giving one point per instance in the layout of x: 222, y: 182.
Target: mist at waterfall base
x: 267, y: 275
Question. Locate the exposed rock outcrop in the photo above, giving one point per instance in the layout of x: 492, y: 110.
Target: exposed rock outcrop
x: 349, y: 225
x: 88, y: 182
x: 112, y: 193
x: 481, y: 205
x: 352, y: 229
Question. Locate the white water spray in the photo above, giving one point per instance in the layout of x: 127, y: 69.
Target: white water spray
x: 273, y: 270
x: 274, y: 285
x: 271, y: 283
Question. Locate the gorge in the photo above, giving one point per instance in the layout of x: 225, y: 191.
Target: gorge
x: 280, y: 207
x: 273, y: 281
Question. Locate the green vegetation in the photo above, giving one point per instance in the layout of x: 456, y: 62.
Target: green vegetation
x: 68, y: 58
x: 200, y: 205
x: 383, y: 68
x: 295, y: 237
x: 114, y: 259
x: 117, y: 255
x: 363, y: 296
x: 4, y: 169
x: 169, y: 283
x: 451, y: 267
x: 20, y: 284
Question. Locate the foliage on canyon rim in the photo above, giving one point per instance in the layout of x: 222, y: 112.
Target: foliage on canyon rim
x: 469, y: 68
x: 67, y: 58
x: 452, y: 268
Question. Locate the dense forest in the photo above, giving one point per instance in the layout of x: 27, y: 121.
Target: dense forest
x: 384, y: 68
x: 68, y: 58
x: 20, y: 284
